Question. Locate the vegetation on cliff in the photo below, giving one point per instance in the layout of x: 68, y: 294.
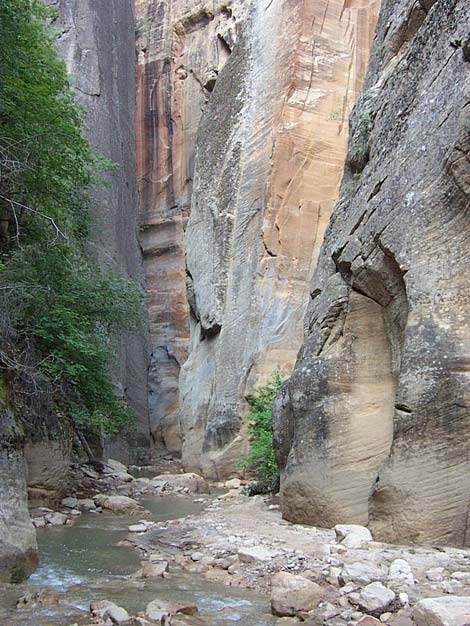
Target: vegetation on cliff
x: 58, y: 310
x: 261, y: 457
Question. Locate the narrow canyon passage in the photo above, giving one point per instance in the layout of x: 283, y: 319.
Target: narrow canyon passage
x: 234, y: 312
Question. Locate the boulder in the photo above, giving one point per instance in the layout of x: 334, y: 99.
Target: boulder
x: 442, y: 611
x: 70, y: 503
x: 38, y: 522
x: 362, y: 573
x: 160, y: 610
x: 118, y: 504
x: 256, y: 554
x: 56, y: 519
x: 99, y: 607
x: 178, y: 482
x: 400, y: 571
x: 116, y: 614
x: 234, y: 483
x: 435, y: 574
x: 343, y: 530
x: 87, y: 504
x: 154, y: 569
x: 137, y: 528
x: 42, y: 598
x: 375, y: 598
x: 112, y: 467
x: 291, y: 593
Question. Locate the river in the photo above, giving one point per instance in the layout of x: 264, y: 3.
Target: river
x: 84, y: 562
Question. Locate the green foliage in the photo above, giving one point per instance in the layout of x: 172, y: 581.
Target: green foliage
x: 59, y: 313
x: 261, y: 456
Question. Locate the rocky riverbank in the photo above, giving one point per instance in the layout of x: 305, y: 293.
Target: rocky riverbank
x: 321, y: 577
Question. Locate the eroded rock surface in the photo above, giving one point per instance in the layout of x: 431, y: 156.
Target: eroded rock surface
x: 372, y: 426
x: 18, y: 549
x: 242, y: 113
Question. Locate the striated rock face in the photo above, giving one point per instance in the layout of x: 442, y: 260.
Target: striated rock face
x: 242, y: 126
x: 97, y: 42
x: 182, y: 46
x: 373, y: 425
x: 18, y: 549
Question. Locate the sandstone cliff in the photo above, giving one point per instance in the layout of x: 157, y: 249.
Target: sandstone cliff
x: 257, y: 171
x: 97, y: 41
x: 181, y: 47
x: 373, y: 425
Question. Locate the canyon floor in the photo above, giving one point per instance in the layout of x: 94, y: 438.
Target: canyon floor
x: 201, y: 539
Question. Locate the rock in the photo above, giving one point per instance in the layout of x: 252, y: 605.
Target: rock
x: 400, y: 571
x: 87, y: 504
x: 443, y: 611
x: 368, y: 620
x: 256, y: 554
x: 225, y: 144
x: 354, y: 542
x: 376, y: 372
x: 18, y: 547
x: 99, y: 607
x: 123, y: 477
x: 362, y: 573
x: 42, y: 598
x: 291, y: 593
x: 56, y: 519
x: 137, y: 528
x: 403, y: 598
x: 435, y: 574
x: 39, y: 522
x: 343, y: 530
x: 234, y: 483
x: 112, y: 467
x: 375, y: 598
x: 190, y: 481
x: 117, y: 504
x: 160, y: 609
x: 154, y: 569
x: 70, y: 503
x: 116, y: 614
x: 197, y: 556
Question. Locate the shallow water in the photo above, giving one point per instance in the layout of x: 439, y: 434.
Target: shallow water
x: 83, y: 563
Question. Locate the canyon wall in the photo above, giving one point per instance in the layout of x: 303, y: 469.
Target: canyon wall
x: 18, y: 548
x: 242, y: 131
x: 182, y: 46
x: 97, y: 40
x: 372, y: 427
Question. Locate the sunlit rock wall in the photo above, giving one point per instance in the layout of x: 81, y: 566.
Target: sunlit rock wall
x: 372, y: 427
x: 268, y: 162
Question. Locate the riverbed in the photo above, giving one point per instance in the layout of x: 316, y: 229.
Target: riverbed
x: 85, y: 562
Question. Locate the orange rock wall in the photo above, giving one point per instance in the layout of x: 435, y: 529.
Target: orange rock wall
x: 300, y: 71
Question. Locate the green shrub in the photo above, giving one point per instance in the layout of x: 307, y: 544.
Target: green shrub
x: 260, y: 458
x: 60, y: 312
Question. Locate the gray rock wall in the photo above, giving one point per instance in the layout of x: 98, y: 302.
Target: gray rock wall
x: 373, y: 425
x: 18, y: 549
x: 97, y: 41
